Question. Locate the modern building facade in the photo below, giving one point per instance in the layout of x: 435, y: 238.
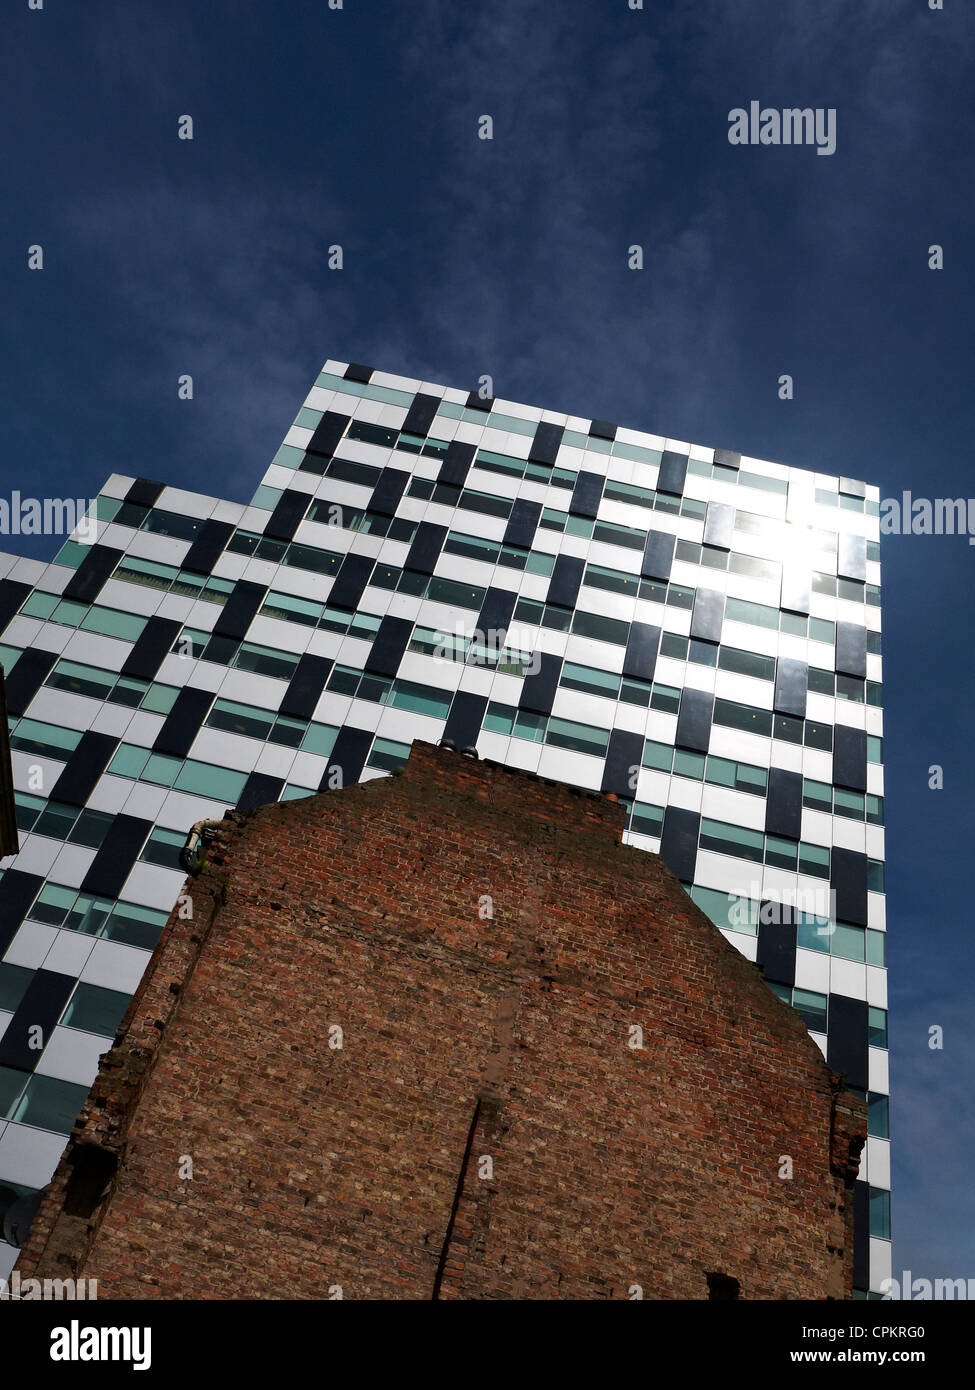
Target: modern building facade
x: 693, y: 631
x: 584, y: 1092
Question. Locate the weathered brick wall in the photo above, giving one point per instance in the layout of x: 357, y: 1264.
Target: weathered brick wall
x: 485, y: 1130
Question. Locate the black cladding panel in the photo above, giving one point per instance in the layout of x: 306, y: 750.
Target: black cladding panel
x: 623, y: 760
x: 388, y: 492
x: 538, y: 690
x: 545, y: 445
x: 602, y: 429
x: 456, y: 463
x: 327, y: 433
x: 673, y: 473
x: 707, y: 615
x: 783, y: 806
x: 209, y: 545
x: 496, y: 612
x: 89, y: 578
x: 19, y: 891
x: 851, y: 558
x: 642, y: 646
x: 719, y: 525
x: 84, y: 768
x: 288, y: 514
x: 306, y: 686
x: 144, y: 492
x: 183, y: 722
x: 848, y: 1039
x: 464, y: 718
x: 566, y: 580
x: 851, y: 650
x: 849, y: 758
x: 347, y: 759
x: 658, y: 555
x: 237, y: 614
x: 522, y: 523
x: 41, y: 1007
x: 355, y: 371
x: 116, y: 857
x: 421, y: 414
x: 151, y: 648
x: 260, y: 789
x: 791, y: 687
x: 425, y: 548
x: 694, y: 720
x: 586, y: 495
x: 388, y: 646
x: 776, y: 952
x: 31, y: 671
x: 678, y: 844
x: 848, y: 880
x: 795, y: 589
x: 350, y: 581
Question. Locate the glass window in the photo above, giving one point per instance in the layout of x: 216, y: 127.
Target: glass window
x: 875, y: 749
x: 49, y: 740
x: 135, y: 926
x: 818, y: 796
x: 634, y: 692
x: 747, y: 663
x: 813, y: 933
x: 500, y: 719
x: 40, y: 605
x: 787, y: 728
x: 780, y: 852
x: 818, y: 735
x: 82, y: 680
x: 743, y: 777
x: 744, y: 717
x: 49, y: 1103
x: 52, y: 905
x: 688, y: 764
x: 878, y: 1116
x: 159, y: 698
x: 675, y: 645
x: 875, y: 875
x: 658, y: 755
x: 388, y: 755
x: 722, y: 838
x: 529, y: 726
x: 877, y: 1027
x: 589, y: 679
x: 291, y: 609
x: 111, y: 623
x: 240, y: 719
x: 163, y: 847
x: 602, y: 629
x: 288, y: 731
x: 848, y: 804
x: 646, y: 819
x: 848, y: 942
x: 452, y: 592
x: 319, y: 738
x: 96, y: 1010
x: 665, y: 697
x: 56, y: 821
x: 14, y: 980
x: 265, y: 661
x: 814, y: 860
x: 129, y: 760
x: 616, y: 581
x: 759, y: 614
x: 422, y: 699
x: 811, y: 1008
x: 205, y: 779
x: 90, y: 829
x: 876, y: 948
x: 879, y: 1198
x: 582, y: 738
x: 822, y: 682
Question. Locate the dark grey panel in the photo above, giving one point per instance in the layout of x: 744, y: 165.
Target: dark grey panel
x: 426, y: 547
x: 86, y: 583
x: 658, y: 555
x: 464, y: 718
x: 183, y: 722
x: 350, y: 581
x: 25, y: 680
x: 796, y: 582
x: 388, y: 492
x: 707, y: 615
x: 783, y: 808
x: 602, y: 429
x: 777, y: 943
x: 791, y: 687
x: 694, y: 720
x: 728, y: 458
x: 623, y: 760
x: 210, y: 543
x: 18, y: 892
x: 546, y: 443
x: 306, y: 686
x: 848, y: 879
x: 851, y: 557
x: 421, y: 414
x: 288, y: 512
x: 327, y: 433
x: 538, y: 690
x: 12, y: 595
x: 456, y: 463
x: 719, y: 525
x: 260, y: 789
x: 144, y: 492
x: 355, y: 371
x: 151, y: 648
x: 678, y: 844
x: 522, y: 523
x: 586, y: 494
x: 115, y: 859
x: 348, y: 758
x: 853, y: 486
x: 641, y: 651
x: 851, y: 649
x: 237, y: 614
x: 478, y: 402
x: 847, y: 1046
x: 496, y: 612
x: 388, y: 646
x: 83, y: 769
x: 673, y: 472
x: 849, y: 758
x: 563, y: 587
x: 41, y: 1007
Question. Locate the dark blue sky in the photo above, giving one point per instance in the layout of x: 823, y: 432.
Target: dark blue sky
x: 508, y: 257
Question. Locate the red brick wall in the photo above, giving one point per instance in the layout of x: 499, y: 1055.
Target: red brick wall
x: 484, y: 1131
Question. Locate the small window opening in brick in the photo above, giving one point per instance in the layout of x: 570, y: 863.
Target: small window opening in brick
x: 92, y: 1169
x: 722, y: 1288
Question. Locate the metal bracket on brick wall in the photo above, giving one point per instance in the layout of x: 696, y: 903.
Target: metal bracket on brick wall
x: 193, y: 854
